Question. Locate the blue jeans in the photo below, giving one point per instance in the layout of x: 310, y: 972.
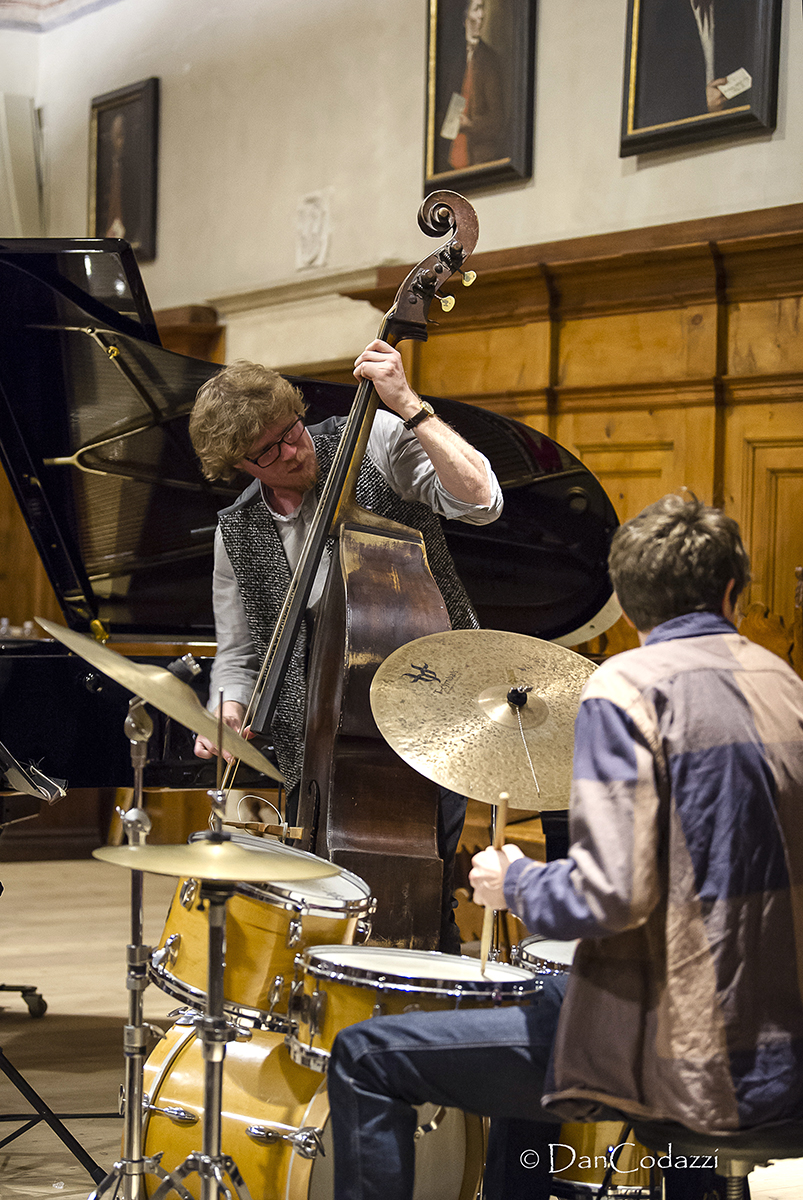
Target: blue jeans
x: 486, y: 1061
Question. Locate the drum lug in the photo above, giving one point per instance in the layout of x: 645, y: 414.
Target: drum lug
x: 295, y: 1002
x: 275, y: 994
x: 184, y: 1016
x: 362, y: 931
x: 188, y: 893
x: 316, y: 1010
x: 293, y: 932
x: 305, y: 1140
x: 309, y: 1010
x: 168, y: 953
x: 179, y: 1116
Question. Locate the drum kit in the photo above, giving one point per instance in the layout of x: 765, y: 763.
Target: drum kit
x: 259, y: 943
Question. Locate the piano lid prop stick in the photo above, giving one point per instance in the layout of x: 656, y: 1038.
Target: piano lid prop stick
x: 500, y: 821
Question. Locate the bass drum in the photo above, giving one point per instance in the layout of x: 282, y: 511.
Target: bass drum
x: 264, y: 1093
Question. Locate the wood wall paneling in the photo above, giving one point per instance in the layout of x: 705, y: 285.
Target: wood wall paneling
x: 766, y: 339
x: 663, y: 357
x: 764, y: 474
x: 640, y: 454
x: 659, y: 347
x: 504, y: 369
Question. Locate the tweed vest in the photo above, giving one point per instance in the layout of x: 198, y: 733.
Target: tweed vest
x: 256, y: 554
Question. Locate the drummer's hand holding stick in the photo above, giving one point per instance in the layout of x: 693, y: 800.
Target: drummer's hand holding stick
x: 487, y: 877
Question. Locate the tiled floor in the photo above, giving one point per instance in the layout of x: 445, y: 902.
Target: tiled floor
x: 64, y: 927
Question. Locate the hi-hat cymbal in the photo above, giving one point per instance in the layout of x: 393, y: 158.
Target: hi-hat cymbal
x: 163, y: 690
x: 441, y: 703
x: 223, y: 861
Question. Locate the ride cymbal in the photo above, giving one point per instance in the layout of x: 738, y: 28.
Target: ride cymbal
x: 442, y: 703
x: 159, y: 687
x: 219, y: 860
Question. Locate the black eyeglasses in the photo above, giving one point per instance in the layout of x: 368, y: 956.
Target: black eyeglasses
x: 291, y: 435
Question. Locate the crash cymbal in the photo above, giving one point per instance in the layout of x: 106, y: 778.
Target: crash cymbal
x: 442, y: 704
x: 163, y: 690
x: 219, y: 860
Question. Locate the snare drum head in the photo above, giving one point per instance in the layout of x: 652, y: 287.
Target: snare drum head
x: 335, y: 892
x: 421, y: 970
x: 535, y: 950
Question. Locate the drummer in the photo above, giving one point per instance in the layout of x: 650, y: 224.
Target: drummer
x: 684, y: 1002
x: 247, y: 418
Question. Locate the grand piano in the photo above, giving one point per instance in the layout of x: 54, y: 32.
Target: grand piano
x: 94, y: 439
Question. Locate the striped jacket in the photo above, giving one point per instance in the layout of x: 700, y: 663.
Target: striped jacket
x: 685, y: 882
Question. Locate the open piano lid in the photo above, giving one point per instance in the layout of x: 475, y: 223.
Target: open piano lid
x: 93, y: 436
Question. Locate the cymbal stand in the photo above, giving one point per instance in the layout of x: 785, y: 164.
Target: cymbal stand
x: 211, y: 1165
x: 133, y: 1166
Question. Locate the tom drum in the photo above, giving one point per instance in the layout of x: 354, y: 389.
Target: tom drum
x: 267, y: 925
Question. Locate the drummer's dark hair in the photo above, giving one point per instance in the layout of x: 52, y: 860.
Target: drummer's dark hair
x: 677, y: 556
x: 233, y: 408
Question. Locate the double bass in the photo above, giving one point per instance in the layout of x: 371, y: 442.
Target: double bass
x: 359, y: 804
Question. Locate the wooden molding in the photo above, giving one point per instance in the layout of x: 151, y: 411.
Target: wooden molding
x: 666, y: 266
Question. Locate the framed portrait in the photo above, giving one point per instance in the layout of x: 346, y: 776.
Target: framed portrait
x: 698, y: 69
x: 123, y: 155
x: 480, y: 92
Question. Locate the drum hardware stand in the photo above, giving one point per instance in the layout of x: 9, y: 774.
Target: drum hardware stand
x: 45, y: 1113
x: 133, y: 1166
x: 54, y: 1120
x: 211, y: 1165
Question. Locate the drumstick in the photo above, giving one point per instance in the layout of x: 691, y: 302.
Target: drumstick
x: 499, y: 840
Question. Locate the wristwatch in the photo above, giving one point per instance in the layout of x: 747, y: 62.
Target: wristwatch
x: 426, y: 410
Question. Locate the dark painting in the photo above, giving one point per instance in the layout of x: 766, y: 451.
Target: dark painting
x: 480, y: 92
x: 123, y: 161
x: 698, y: 69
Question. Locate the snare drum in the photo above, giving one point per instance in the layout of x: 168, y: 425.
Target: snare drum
x: 545, y: 956
x: 266, y: 926
x: 340, y: 985
x: 266, y: 1100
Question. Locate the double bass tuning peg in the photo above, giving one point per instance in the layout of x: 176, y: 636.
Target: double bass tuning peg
x: 447, y: 303
x: 468, y: 277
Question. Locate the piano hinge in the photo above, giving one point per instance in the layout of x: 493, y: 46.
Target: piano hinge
x: 99, y: 631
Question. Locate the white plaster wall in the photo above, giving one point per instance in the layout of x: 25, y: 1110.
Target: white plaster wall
x: 264, y: 101
x: 19, y: 62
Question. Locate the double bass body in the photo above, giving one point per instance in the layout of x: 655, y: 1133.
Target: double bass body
x: 361, y: 806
